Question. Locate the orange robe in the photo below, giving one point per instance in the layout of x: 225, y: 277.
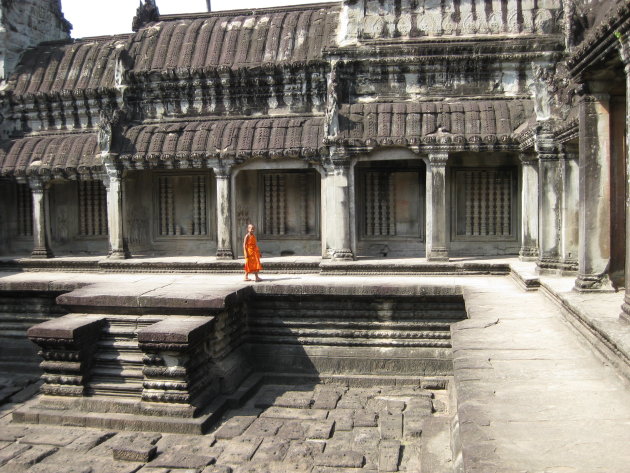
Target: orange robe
x: 252, y: 256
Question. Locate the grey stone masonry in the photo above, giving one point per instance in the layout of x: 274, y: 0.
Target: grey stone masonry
x: 68, y: 344
x: 176, y: 361
x: 436, y: 207
x: 41, y: 230
x: 529, y: 208
x: 594, y: 190
x: 625, y: 54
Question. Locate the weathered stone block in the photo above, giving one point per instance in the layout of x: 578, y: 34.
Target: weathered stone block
x: 182, y: 459
x: 234, y: 427
x: 391, y: 426
x: 389, y: 455
x: 341, y: 459
x: 134, y: 452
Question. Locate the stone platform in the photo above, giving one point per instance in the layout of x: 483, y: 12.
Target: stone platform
x: 529, y: 392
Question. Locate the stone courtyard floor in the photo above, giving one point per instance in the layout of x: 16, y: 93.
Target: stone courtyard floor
x: 530, y: 394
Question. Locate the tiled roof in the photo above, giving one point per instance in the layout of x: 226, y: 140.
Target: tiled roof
x: 246, y: 40
x: 409, y: 122
x: 56, y: 67
x: 56, y: 153
x: 258, y: 137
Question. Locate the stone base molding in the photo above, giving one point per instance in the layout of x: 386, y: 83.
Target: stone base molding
x: 67, y: 346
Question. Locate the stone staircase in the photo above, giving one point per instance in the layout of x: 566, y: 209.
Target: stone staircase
x: 117, y: 367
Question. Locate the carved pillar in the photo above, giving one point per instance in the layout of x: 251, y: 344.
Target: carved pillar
x: 529, y: 208
x: 338, y: 211
x: 436, y: 207
x: 625, y: 308
x: 41, y: 231
x: 569, y: 227
x: 550, y: 199
x: 113, y: 186
x: 224, y: 232
x: 594, y: 192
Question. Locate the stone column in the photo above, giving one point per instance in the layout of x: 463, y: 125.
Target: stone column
x: 41, y: 247
x: 570, y: 219
x: 436, y: 207
x: 594, y: 191
x: 625, y: 54
x: 224, y: 231
x: 113, y: 186
x: 550, y: 199
x: 529, y: 208
x: 338, y: 211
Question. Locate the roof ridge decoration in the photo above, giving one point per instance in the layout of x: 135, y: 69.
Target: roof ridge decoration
x: 146, y: 13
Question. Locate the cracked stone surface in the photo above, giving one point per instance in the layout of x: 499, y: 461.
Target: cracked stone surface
x: 278, y: 438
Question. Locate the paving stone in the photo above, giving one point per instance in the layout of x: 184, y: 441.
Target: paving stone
x: 33, y: 455
x: 10, y: 433
x: 391, y: 426
x: 234, y: 427
x: 344, y: 418
x: 439, y: 406
x: 148, y: 469
x: 363, y: 418
x: 217, y: 469
x: 413, y: 424
x: 326, y: 400
x: 340, y: 441
x: 240, y: 450
x: 320, y: 430
x: 264, y: 427
x: 89, y: 440
x: 271, y: 450
x: 292, y: 413
x: 58, y: 437
x: 134, y: 452
x: 365, y: 439
x: 301, y: 451
x: 268, y: 395
x: 388, y: 455
x: 294, y: 430
x: 60, y: 468
x: 340, y: 459
x: 296, y: 399
x: 351, y: 401
x: 395, y: 406
x: 197, y: 444
x: 182, y: 459
x: 12, y: 451
x: 421, y: 404
x: 123, y: 438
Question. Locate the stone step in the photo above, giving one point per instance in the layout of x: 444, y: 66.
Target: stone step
x: 351, y: 333
x: 333, y: 303
x: 120, y: 357
x: 353, y: 324
x: 113, y: 372
x: 113, y: 387
x: 349, y: 342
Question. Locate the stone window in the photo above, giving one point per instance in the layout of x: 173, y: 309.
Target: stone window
x: 392, y: 204
x: 289, y: 207
x: 24, y: 211
x: 485, y: 203
x: 92, y: 209
x: 182, y: 205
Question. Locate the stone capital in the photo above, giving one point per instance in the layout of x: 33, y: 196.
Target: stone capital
x: 528, y: 159
x: 36, y: 184
x: 221, y: 172
x: 438, y: 159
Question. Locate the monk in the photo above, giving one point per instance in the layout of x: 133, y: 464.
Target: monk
x: 252, y: 254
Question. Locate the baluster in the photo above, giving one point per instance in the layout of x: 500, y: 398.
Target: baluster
x: 195, y: 210
x: 468, y: 196
x: 369, y: 205
x: 303, y: 183
x: 202, y: 207
x: 391, y: 206
x: 507, y: 207
x: 377, y: 214
x: 162, y: 200
x: 103, y: 211
x: 491, y: 202
x: 475, y: 215
x: 283, y: 204
x: 169, y: 207
x: 483, y: 194
x: 89, y: 210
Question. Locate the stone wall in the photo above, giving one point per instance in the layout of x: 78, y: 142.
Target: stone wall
x: 26, y: 23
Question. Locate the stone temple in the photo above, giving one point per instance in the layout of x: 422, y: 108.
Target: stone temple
x: 441, y: 191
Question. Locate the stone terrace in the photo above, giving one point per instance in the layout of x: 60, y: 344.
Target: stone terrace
x: 528, y: 394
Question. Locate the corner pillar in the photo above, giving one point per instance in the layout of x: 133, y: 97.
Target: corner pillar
x: 338, y: 211
x: 113, y: 187
x: 41, y: 247
x: 436, y: 208
x: 529, y: 208
x: 224, y: 232
x: 594, y: 192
